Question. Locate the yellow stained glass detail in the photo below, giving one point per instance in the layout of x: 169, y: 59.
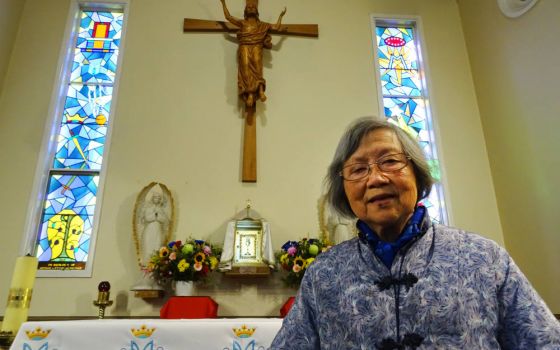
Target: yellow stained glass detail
x: 101, y: 31
x: 64, y: 232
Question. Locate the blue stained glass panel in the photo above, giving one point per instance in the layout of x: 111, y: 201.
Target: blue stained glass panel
x: 433, y: 204
x: 94, y: 67
x: 66, y: 224
x: 80, y: 146
x: 81, y: 137
x: 100, y: 31
x: 396, y: 48
x: 404, y: 101
x: 87, y: 104
x: 66, y: 228
x: 410, y: 115
x: 400, y: 82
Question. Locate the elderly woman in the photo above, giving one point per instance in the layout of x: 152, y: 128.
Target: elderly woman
x: 405, y: 282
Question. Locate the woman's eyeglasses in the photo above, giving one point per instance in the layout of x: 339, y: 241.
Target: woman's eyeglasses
x: 389, y: 163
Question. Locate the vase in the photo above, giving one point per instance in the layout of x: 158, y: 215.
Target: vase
x: 184, y: 288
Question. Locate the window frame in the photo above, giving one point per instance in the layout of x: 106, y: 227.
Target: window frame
x: 49, y: 141
x: 431, y: 118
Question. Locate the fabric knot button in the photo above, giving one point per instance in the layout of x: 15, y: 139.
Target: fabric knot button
x: 410, y: 341
x: 408, y: 280
x: 389, y: 344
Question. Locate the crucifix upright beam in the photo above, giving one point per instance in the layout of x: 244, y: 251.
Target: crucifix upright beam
x: 253, y: 36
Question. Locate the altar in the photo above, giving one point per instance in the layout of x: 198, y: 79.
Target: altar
x: 148, y: 334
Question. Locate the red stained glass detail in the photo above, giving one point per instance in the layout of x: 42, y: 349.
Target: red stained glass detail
x: 394, y: 41
x: 101, y: 30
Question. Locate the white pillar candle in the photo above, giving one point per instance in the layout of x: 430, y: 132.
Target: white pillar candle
x: 19, y: 296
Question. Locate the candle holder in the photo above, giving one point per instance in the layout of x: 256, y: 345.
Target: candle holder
x: 6, y: 339
x: 103, y: 298
x: 19, y: 299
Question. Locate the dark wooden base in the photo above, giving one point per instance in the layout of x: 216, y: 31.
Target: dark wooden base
x: 248, y: 271
x: 6, y: 339
x: 149, y: 294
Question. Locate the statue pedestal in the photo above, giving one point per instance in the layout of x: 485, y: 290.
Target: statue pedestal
x: 149, y: 294
x: 248, y: 271
x: 146, y: 288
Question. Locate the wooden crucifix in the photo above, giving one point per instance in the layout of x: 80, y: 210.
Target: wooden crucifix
x: 253, y: 35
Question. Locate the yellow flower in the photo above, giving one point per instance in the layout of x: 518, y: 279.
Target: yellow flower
x: 183, y: 265
x: 163, y: 252
x: 309, y: 261
x: 199, y: 257
x: 299, y: 261
x: 213, y: 262
x: 284, y: 258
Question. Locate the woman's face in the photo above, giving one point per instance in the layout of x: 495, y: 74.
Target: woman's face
x: 384, y: 201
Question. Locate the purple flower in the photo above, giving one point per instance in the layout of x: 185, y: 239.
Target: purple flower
x: 207, y: 250
x: 292, y: 251
x: 199, y: 241
x: 171, y: 244
x: 289, y: 244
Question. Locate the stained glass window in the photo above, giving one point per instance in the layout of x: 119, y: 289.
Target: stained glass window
x: 404, y: 97
x: 66, y: 229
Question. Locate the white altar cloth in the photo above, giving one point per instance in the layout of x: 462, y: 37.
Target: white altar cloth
x: 148, y: 334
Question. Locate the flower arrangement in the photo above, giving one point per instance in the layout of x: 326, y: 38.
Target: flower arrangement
x: 178, y: 261
x: 296, y: 256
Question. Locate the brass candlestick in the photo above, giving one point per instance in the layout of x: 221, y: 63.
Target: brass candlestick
x: 19, y: 299
x: 6, y: 339
x: 103, y: 298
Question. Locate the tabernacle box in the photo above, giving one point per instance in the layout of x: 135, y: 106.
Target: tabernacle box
x: 247, y: 248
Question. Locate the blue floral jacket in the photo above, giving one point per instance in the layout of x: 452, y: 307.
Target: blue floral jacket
x: 452, y: 289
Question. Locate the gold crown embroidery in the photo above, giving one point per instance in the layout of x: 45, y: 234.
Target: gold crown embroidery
x: 37, y: 334
x: 142, y: 332
x: 243, y: 332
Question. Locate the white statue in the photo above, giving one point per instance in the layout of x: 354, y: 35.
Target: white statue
x: 335, y: 227
x: 152, y: 224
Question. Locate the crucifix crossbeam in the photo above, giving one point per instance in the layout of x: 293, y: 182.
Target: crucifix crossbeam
x: 204, y: 25
x: 253, y: 35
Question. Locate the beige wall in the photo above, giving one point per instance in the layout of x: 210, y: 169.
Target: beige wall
x: 10, y: 13
x: 516, y: 71
x: 177, y: 121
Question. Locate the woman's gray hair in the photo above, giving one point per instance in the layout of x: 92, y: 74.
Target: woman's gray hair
x: 349, y: 143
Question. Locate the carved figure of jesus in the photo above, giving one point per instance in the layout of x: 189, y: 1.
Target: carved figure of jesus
x: 253, y: 35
